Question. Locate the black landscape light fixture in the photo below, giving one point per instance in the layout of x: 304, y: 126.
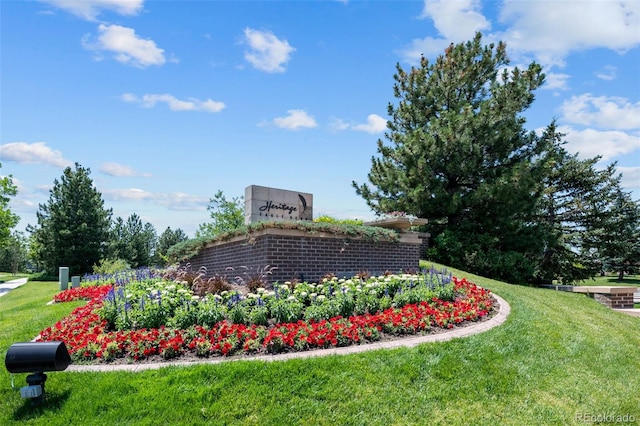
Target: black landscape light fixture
x: 36, y: 358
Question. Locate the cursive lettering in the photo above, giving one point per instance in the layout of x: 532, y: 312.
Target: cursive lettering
x: 282, y: 206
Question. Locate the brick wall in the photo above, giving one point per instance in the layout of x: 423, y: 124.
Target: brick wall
x: 616, y: 301
x: 308, y: 257
x: 424, y: 245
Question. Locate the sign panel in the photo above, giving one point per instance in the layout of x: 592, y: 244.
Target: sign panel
x: 263, y: 203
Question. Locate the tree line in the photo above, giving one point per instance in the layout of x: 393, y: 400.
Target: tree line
x: 74, y: 229
x: 502, y: 201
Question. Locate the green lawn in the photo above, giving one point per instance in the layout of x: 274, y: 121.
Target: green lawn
x: 613, y: 280
x: 559, y: 358
x: 8, y: 276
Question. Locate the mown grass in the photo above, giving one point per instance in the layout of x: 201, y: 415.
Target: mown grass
x: 632, y: 280
x: 558, y: 356
x: 8, y: 276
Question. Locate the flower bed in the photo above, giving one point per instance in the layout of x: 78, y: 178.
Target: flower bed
x: 151, y: 318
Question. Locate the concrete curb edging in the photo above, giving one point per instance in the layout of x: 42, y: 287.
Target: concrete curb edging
x: 407, y: 342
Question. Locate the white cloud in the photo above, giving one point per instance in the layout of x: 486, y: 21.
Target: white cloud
x: 127, y: 47
x: 90, y: 9
x: 608, y: 73
x: 374, y: 124
x: 338, y: 124
x: 127, y: 194
x: 120, y: 170
x: 608, y: 144
x: 296, y: 119
x: 174, y: 104
x: 22, y: 205
x: 32, y: 153
x: 608, y: 112
x: 551, y: 30
x: 183, y: 202
x: 630, y: 177
x: 456, y: 21
x: 173, y: 201
x: 43, y: 189
x: 547, y: 30
x: 556, y: 81
x: 268, y: 53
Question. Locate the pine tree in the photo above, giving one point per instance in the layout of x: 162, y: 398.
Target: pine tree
x: 132, y: 241
x: 618, y: 241
x: 73, y: 225
x: 573, y: 208
x: 461, y: 157
x: 167, y: 239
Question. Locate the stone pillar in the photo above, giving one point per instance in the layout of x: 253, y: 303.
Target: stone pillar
x: 75, y: 282
x: 63, y: 277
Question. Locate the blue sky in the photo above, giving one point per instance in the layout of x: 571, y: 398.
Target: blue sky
x: 167, y: 102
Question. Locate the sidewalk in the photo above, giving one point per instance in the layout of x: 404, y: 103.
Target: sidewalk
x: 10, y: 285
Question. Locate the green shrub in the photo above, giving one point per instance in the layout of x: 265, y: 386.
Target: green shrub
x: 184, y: 316
x: 111, y: 266
x: 329, y: 219
x: 210, y: 312
x: 286, y: 310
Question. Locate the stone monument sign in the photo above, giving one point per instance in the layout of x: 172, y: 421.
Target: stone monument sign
x: 263, y: 203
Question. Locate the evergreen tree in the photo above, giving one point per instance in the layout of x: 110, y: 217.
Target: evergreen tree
x: 149, y: 239
x: 573, y: 208
x: 73, y: 226
x: 118, y: 245
x: 460, y: 157
x: 618, y: 241
x: 132, y: 241
x: 226, y: 214
x: 167, y: 239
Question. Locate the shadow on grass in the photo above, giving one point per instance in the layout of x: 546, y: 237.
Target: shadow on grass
x: 51, y: 404
x: 626, y: 281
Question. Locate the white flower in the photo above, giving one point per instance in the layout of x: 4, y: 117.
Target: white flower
x: 321, y: 297
x: 291, y: 298
x: 196, y: 298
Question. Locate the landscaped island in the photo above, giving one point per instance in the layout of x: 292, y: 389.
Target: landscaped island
x: 141, y: 317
